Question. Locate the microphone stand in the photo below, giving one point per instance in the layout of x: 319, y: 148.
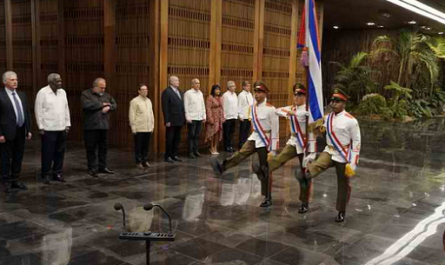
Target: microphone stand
x: 146, y: 236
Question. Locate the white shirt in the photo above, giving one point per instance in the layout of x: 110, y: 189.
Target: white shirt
x: 52, y: 111
x: 194, y: 106
x: 347, y: 130
x: 230, y: 104
x: 301, y: 118
x: 177, y: 92
x: 11, y: 97
x: 245, y: 100
x: 269, y: 122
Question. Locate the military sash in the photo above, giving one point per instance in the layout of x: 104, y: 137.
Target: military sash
x: 346, y: 154
x: 259, y: 129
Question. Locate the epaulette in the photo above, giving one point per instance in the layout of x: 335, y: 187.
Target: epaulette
x: 349, y: 115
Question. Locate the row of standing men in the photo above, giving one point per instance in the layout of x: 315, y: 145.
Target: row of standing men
x: 220, y: 115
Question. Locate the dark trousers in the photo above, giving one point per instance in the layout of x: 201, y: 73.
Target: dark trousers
x: 173, y: 137
x: 53, y: 151
x: 96, y: 141
x: 194, y: 129
x: 323, y: 162
x: 141, y: 146
x: 12, y: 156
x: 228, y: 130
x: 247, y: 150
x: 244, y: 131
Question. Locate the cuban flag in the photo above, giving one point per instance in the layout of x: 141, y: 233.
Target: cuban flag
x: 309, y: 40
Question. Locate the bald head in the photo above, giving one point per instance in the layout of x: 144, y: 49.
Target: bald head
x: 173, y: 81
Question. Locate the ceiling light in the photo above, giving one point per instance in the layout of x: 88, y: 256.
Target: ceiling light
x: 370, y: 23
x: 381, y: 26
x: 412, y: 22
x: 440, y: 33
x: 428, y: 28
x: 336, y: 27
x: 420, y: 9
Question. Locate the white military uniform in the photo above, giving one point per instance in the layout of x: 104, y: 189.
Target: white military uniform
x: 301, y: 118
x: 347, y: 131
x: 270, y: 124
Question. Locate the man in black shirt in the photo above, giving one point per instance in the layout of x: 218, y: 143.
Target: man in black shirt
x: 96, y: 105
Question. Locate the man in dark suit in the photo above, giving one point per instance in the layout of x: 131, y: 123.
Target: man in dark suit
x: 15, y: 126
x: 174, y: 118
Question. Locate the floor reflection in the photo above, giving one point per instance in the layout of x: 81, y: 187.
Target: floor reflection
x: 395, y: 216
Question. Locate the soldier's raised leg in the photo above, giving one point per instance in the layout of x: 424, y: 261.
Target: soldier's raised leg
x: 247, y: 150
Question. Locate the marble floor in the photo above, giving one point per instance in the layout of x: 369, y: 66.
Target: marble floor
x: 396, y: 214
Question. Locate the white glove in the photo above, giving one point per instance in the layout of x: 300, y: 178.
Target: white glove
x: 353, y: 166
x: 308, y: 159
x: 273, y: 153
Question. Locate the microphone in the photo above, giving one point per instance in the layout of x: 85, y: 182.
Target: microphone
x: 150, y: 206
x: 118, y: 206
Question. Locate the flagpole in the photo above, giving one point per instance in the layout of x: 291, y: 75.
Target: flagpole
x: 306, y: 139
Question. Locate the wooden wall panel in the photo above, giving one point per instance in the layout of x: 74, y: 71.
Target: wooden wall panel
x: 2, y: 37
x: 237, y: 41
x: 276, y: 53
x: 84, y: 44
x: 22, y: 46
x: 49, y: 34
x: 145, y: 42
x: 133, y: 40
x: 189, y: 46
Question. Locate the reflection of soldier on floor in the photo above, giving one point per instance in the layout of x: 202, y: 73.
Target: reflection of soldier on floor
x: 297, y: 143
x: 342, y: 151
x: 263, y: 139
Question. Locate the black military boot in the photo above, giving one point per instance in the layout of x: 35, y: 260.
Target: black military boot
x: 267, y: 202
x: 304, y: 208
x: 217, y: 167
x: 340, y: 217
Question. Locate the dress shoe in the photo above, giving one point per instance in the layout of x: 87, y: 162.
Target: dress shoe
x: 7, y: 187
x: 46, y: 180
x: 58, y: 177
x: 139, y: 165
x: 340, y: 217
x: 232, y: 150
x: 303, y: 208
x: 18, y: 185
x: 176, y: 158
x: 146, y: 164
x: 217, y: 167
x: 192, y: 156
x: 92, y: 173
x: 169, y: 160
x: 266, y: 203
x: 106, y: 171
x: 197, y: 154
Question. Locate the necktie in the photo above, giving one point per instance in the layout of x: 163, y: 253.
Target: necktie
x: 20, y: 119
x: 177, y: 93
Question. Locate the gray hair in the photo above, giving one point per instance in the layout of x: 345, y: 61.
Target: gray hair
x: 195, y: 80
x: 170, y: 79
x: 231, y: 83
x: 7, y: 75
x: 52, y: 76
x: 97, y: 81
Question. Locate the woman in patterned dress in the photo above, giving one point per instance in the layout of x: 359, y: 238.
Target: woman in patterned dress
x: 215, y: 119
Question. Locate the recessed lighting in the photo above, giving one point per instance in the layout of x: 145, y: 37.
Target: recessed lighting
x: 440, y: 33
x: 412, y: 22
x: 381, y: 26
x: 420, y: 9
x: 428, y: 28
x: 336, y: 27
x: 370, y: 23
x: 423, y: 27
